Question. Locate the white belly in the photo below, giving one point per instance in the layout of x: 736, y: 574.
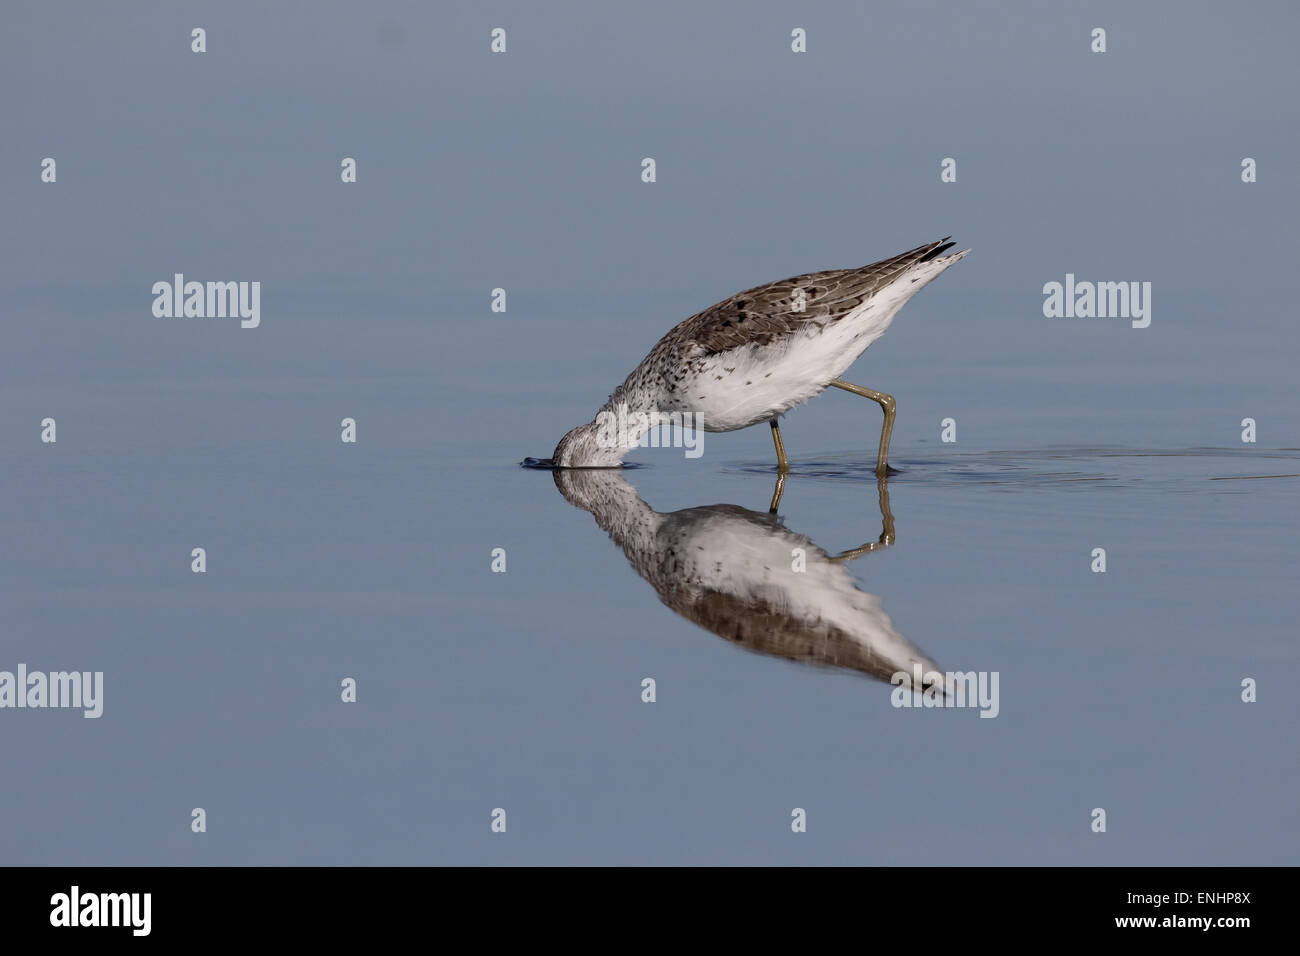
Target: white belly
x: 756, y: 383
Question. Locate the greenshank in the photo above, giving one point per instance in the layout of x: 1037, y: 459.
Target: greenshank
x: 756, y: 355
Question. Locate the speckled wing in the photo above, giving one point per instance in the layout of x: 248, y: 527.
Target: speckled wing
x: 767, y: 313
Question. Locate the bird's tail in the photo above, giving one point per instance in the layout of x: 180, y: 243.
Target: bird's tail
x: 936, y: 249
x: 929, y: 265
x: 920, y: 265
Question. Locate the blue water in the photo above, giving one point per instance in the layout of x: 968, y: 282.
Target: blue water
x: 521, y: 690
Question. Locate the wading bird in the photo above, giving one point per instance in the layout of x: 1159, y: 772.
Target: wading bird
x: 756, y: 355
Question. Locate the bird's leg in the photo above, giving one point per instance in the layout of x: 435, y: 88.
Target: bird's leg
x: 782, y: 463
x: 886, y: 526
x: 887, y: 403
x: 782, y: 466
x: 776, y: 493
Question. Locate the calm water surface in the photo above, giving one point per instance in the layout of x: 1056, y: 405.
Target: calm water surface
x: 522, y: 690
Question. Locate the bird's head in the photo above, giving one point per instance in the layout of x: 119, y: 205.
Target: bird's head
x: 587, y: 446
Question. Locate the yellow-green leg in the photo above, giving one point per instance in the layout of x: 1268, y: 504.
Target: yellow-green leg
x: 782, y: 467
x: 782, y: 463
x: 887, y: 403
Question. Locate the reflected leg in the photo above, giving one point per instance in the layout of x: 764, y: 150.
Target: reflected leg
x: 776, y: 493
x: 886, y: 525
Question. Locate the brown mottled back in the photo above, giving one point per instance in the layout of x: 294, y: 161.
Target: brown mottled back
x: 766, y: 312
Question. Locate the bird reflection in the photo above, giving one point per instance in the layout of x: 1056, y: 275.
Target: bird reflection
x: 747, y: 578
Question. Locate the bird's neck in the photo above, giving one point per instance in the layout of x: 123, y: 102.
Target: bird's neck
x: 615, y: 431
x: 625, y: 418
